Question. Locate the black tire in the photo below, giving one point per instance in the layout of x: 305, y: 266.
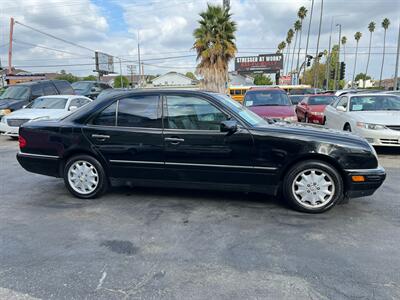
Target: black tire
x: 288, y: 187
x: 102, y: 180
x: 323, y: 121
x: 347, y: 127
x: 306, y: 118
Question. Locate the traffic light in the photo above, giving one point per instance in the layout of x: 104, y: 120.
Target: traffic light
x: 342, y: 70
x: 332, y: 74
x: 309, y: 58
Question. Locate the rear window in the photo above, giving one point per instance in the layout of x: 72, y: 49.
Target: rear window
x: 64, y: 87
x: 48, y: 103
x: 321, y: 100
x: 266, y: 98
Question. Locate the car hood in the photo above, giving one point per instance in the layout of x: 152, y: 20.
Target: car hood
x: 317, y: 108
x: 28, y: 113
x: 7, y: 103
x: 273, y: 111
x: 378, y: 117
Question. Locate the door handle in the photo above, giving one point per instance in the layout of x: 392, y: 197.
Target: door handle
x: 174, y: 140
x: 100, y: 137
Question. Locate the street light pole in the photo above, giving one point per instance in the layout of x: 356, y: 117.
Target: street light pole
x: 317, y: 53
x: 338, y: 62
x: 396, y: 72
x: 329, y: 58
x: 308, y: 39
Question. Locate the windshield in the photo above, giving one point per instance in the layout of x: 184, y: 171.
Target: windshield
x: 374, y: 103
x: 48, y: 103
x: 321, y: 100
x: 266, y: 98
x: 16, y: 92
x: 250, y: 117
x: 83, y: 86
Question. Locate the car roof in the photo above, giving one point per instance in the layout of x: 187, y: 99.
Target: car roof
x: 62, y: 96
x: 368, y: 94
x: 266, y: 89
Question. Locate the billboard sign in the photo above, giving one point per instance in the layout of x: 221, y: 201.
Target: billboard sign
x: 104, y: 63
x: 266, y: 63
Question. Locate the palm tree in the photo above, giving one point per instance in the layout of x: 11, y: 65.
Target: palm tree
x: 289, y: 38
x: 357, y: 37
x: 385, y: 25
x: 302, y: 13
x: 297, y: 27
x: 344, y: 41
x: 371, y: 28
x: 281, y: 46
x: 215, y: 46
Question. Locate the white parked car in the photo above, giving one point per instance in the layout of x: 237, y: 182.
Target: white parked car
x: 375, y: 117
x: 42, y: 108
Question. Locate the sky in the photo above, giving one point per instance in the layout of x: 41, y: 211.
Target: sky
x: 165, y: 32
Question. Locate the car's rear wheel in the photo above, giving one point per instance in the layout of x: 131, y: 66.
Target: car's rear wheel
x: 306, y: 118
x: 84, y: 177
x: 313, y: 186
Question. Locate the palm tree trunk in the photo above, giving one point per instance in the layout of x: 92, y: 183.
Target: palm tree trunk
x: 294, y: 49
x: 383, y: 57
x: 287, y: 58
x: 308, y: 39
x: 355, y: 64
x: 369, y: 54
x: 298, y: 52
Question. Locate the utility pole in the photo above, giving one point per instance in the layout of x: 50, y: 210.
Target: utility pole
x: 10, y: 45
x: 140, y: 69
x: 308, y: 39
x: 338, y: 62
x: 120, y: 73
x: 328, y: 62
x: 226, y: 4
x: 396, y: 72
x: 131, y: 70
x: 317, y: 53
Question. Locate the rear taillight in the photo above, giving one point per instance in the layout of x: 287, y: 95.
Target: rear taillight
x: 22, y: 142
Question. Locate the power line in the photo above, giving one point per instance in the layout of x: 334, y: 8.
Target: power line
x: 44, y: 47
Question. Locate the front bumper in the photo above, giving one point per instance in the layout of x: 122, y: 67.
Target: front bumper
x: 5, y: 129
x: 373, y: 180
x: 385, y: 137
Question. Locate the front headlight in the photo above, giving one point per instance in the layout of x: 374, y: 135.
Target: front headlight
x: 4, y: 112
x: 39, y: 118
x: 290, y: 119
x: 370, y: 126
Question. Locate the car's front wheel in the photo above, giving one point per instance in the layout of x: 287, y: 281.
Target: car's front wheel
x: 313, y: 186
x: 84, y: 177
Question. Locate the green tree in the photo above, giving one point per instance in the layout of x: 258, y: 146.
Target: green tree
x: 297, y: 28
x: 302, y: 13
x: 362, y: 76
x: 385, y: 25
x: 261, y: 79
x: 190, y: 75
x: 90, y: 78
x: 67, y: 76
x: 357, y: 37
x: 371, y: 28
x: 289, y: 38
x: 281, y: 47
x: 118, y: 79
x: 215, y: 47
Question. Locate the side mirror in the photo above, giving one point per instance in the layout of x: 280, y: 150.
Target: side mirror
x: 341, y: 108
x: 228, y: 126
x: 73, y: 107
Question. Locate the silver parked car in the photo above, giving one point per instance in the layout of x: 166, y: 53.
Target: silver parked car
x: 375, y: 117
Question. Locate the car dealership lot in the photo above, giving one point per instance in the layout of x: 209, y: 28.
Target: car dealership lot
x: 182, y: 244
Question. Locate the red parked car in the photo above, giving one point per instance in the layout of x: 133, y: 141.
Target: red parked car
x: 311, y: 108
x: 270, y: 103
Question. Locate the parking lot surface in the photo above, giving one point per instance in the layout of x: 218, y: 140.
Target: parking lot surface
x: 181, y: 244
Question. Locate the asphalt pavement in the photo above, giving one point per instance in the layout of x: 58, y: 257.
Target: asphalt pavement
x: 180, y: 244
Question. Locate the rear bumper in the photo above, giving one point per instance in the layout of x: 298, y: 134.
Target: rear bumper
x: 40, y: 164
x: 373, y: 180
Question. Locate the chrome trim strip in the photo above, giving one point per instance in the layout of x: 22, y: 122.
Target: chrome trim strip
x: 189, y: 164
x: 38, y: 155
x: 364, y: 170
x: 219, y: 166
x: 136, y: 162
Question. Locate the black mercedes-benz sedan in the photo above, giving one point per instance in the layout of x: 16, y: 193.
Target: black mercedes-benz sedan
x: 198, y: 140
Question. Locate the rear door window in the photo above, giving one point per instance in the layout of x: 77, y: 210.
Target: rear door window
x: 107, y: 117
x: 37, y: 91
x: 64, y: 87
x: 49, y: 89
x: 140, y: 111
